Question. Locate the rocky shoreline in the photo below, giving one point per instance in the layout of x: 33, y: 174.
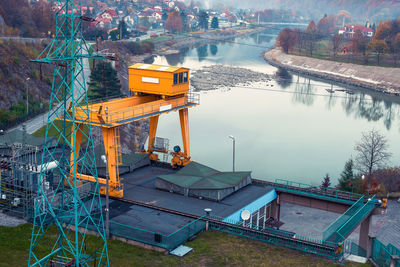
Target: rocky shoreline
x: 381, y: 79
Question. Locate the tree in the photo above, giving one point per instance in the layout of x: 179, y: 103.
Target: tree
x: 203, y: 20
x: 104, y: 82
x: 326, y: 182
x: 123, y: 30
x: 379, y: 47
x: 372, y: 153
x: 214, y: 23
x: 174, y: 22
x: 287, y: 39
x: 311, y: 36
x: 336, y: 42
x: 184, y: 20
x: 347, y: 177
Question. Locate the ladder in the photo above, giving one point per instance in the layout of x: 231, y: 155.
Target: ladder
x: 118, y: 153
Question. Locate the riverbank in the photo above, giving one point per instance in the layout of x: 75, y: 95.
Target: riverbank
x: 385, y: 80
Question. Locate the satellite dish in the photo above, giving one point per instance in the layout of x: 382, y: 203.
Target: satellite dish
x: 245, y: 215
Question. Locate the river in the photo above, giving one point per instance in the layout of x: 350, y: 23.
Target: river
x: 294, y: 129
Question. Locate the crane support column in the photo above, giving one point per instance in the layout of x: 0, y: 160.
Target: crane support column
x: 152, y: 136
x: 184, y: 119
x: 111, y: 146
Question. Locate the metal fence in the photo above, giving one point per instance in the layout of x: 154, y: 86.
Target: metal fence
x: 168, y: 242
x: 380, y: 253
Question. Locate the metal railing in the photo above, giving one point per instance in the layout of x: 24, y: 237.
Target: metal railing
x: 381, y: 254
x: 167, y: 242
x: 142, y: 111
x: 316, y: 191
x: 334, y: 227
x: 355, y: 219
x: 277, y: 237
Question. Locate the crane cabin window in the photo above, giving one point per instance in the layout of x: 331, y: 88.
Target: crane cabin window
x: 185, y: 77
x: 176, y: 78
x: 181, y: 77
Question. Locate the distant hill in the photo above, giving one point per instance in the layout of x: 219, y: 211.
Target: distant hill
x: 17, y: 75
x: 360, y: 10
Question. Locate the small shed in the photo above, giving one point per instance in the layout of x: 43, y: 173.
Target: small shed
x: 159, y: 80
x: 197, y: 180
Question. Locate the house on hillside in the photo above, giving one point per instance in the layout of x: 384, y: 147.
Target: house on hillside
x: 348, y: 31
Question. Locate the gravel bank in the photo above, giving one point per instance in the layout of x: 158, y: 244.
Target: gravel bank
x: 6, y: 220
x: 220, y: 76
x: 381, y: 79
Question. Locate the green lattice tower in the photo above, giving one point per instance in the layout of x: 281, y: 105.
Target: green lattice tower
x: 68, y: 203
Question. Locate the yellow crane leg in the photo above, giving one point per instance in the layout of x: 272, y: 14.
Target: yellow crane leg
x: 110, y: 145
x: 184, y: 120
x: 152, y: 136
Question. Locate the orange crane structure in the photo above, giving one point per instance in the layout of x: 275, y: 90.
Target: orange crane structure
x: 155, y: 90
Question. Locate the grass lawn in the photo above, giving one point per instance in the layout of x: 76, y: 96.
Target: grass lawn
x: 210, y: 249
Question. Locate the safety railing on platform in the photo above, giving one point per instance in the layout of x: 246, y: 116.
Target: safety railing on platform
x: 330, y: 231
x: 141, y: 110
x: 354, y: 220
x: 353, y: 249
x: 317, y: 191
x: 167, y: 242
x: 381, y: 254
x: 277, y: 237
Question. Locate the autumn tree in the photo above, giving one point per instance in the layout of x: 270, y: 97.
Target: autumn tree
x: 326, y: 25
x: 379, y: 47
x: 287, y: 39
x: 174, y: 22
x: 372, y: 153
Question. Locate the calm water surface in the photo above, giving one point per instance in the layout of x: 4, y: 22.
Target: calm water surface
x: 292, y: 130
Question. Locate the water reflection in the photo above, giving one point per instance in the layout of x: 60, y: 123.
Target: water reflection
x: 173, y: 59
x: 283, y: 78
x: 303, y: 92
x: 213, y: 49
x: 202, y: 52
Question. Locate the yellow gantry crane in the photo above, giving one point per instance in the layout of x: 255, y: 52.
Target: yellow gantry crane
x: 156, y: 90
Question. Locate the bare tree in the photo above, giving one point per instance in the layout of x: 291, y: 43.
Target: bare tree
x: 372, y: 153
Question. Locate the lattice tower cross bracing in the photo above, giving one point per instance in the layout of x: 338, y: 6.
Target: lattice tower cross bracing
x: 72, y: 205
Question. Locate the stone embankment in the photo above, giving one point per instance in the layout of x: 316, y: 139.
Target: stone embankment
x: 381, y: 79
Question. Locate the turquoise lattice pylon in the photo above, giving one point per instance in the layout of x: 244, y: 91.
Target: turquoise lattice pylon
x: 64, y: 201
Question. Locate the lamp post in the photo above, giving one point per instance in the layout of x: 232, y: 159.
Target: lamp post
x: 27, y: 101
x: 362, y: 178
x: 233, y: 143
x: 105, y: 158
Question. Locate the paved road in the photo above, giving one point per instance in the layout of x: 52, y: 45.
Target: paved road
x: 39, y: 121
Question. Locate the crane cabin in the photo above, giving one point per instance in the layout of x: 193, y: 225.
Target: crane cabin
x: 158, y: 80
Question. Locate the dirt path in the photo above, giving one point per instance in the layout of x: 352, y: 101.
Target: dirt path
x: 381, y: 79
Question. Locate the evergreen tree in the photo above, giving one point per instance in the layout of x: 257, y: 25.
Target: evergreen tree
x: 104, y: 82
x: 326, y: 182
x: 203, y: 20
x: 347, y: 178
x: 214, y: 23
x: 123, y: 30
x: 184, y: 20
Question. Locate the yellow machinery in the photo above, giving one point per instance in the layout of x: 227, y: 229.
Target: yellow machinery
x: 156, y: 90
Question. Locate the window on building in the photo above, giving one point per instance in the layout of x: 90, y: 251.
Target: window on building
x: 185, y: 77
x: 176, y: 78
x: 181, y: 77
